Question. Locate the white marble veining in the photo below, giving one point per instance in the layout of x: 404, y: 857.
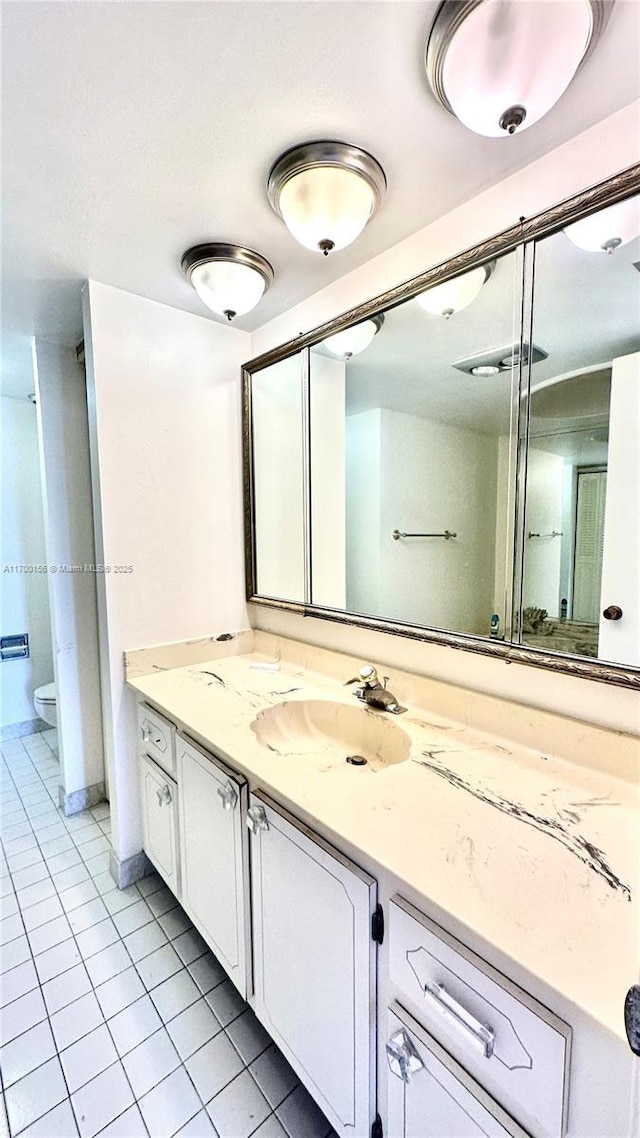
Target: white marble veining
x: 534, y: 854
x: 145, y: 661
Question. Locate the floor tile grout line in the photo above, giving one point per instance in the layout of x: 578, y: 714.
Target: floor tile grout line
x: 185, y: 968
x: 49, y: 1016
x: 106, y: 1024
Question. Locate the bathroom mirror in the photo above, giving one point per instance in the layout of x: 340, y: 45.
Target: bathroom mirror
x: 423, y: 499
x: 457, y: 460
x: 582, y: 511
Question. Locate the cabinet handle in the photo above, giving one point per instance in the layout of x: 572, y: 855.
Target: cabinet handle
x: 145, y: 732
x: 257, y: 819
x: 164, y: 795
x: 228, y: 796
x: 481, y: 1032
x: 402, y: 1056
x: 613, y: 612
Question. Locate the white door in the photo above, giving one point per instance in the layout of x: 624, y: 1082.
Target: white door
x: 430, y: 1095
x: 160, y: 817
x: 314, y: 962
x: 587, y: 564
x: 619, y: 640
x: 214, y: 858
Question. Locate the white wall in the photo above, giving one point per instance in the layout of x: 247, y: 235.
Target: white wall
x: 544, y: 514
x: 363, y: 487
x: 328, y: 494
x: 418, y: 475
x: 435, y: 477
x: 164, y: 412
x: 590, y: 157
x: 64, y: 447
x: 25, y: 600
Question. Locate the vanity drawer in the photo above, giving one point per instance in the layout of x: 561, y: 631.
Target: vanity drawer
x: 156, y: 737
x: 515, y: 1048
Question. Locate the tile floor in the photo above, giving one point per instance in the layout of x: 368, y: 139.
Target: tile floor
x: 116, y: 1019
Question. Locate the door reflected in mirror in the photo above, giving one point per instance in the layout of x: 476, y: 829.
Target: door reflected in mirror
x: 582, y: 494
x: 414, y: 520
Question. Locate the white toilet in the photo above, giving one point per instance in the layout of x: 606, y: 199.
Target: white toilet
x: 44, y: 701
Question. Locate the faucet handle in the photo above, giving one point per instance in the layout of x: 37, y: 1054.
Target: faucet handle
x: 367, y: 676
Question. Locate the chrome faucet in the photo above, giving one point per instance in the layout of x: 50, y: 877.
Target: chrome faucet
x: 373, y: 693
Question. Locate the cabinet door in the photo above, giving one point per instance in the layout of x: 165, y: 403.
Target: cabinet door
x: 214, y: 858
x: 314, y: 962
x: 430, y: 1095
x: 160, y: 821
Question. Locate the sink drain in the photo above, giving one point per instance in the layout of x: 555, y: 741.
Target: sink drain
x: 356, y: 760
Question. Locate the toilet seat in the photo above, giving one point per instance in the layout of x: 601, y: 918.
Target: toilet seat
x: 45, y: 703
x: 46, y: 693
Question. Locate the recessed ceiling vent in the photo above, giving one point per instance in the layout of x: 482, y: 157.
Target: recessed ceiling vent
x: 499, y: 359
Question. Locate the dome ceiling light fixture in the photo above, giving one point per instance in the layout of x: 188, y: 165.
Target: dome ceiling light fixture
x: 326, y: 192
x: 607, y: 230
x: 229, y: 279
x: 500, y: 65
x: 355, y: 339
x: 452, y: 296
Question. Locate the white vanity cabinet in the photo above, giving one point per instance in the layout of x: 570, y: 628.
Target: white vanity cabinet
x: 432, y: 1096
x: 160, y: 821
x: 214, y: 857
x: 314, y: 962
x: 159, y: 793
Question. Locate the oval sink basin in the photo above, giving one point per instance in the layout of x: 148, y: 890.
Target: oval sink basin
x: 316, y: 726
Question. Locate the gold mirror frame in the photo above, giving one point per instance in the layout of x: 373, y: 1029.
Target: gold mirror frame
x: 615, y: 189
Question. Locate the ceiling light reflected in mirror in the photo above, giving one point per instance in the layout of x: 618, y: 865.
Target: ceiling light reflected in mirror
x: 452, y: 296
x: 354, y: 340
x: 607, y: 230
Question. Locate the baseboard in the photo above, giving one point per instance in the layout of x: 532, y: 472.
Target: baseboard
x: 27, y: 727
x: 81, y: 799
x: 130, y: 869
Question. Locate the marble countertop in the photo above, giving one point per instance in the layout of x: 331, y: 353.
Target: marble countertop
x: 533, y: 854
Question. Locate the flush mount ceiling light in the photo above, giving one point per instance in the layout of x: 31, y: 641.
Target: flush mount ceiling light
x: 229, y: 279
x: 452, y: 296
x: 354, y: 340
x: 326, y: 192
x: 500, y: 65
x: 607, y: 230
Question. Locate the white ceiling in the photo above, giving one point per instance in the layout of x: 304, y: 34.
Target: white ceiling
x: 134, y: 130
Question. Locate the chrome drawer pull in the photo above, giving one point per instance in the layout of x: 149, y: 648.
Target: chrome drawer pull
x: 145, y: 731
x: 228, y: 796
x: 402, y: 1056
x: 481, y: 1032
x: 164, y: 795
x: 257, y: 819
